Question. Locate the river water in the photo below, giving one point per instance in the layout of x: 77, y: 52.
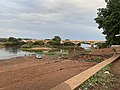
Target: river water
x: 6, y: 53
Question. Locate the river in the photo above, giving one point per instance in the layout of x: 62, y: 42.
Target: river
x: 6, y: 53
x: 11, y: 52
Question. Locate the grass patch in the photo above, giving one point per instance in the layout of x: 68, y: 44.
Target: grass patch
x: 96, y: 59
x: 103, y: 80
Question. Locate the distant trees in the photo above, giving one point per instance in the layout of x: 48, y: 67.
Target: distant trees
x: 11, y: 41
x: 68, y: 43
x: 3, y: 39
x: 26, y: 46
x: 55, y: 41
x: 79, y: 44
x: 38, y: 43
x: 109, y: 20
x: 102, y: 45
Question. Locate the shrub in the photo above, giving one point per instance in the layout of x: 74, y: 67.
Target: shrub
x: 26, y: 46
x: 38, y: 43
x: 102, y: 45
x: 69, y: 44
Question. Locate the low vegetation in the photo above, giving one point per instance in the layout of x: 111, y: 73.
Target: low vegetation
x: 39, y: 42
x: 102, y: 45
x: 103, y: 80
x: 52, y: 43
x: 26, y: 46
x: 11, y: 41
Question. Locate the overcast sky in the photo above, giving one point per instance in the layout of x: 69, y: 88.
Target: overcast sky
x: 40, y: 19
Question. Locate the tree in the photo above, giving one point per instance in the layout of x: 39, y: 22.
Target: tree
x: 102, y: 45
x: 79, y: 44
x: 26, y: 46
x: 38, y: 43
x: 11, y: 41
x: 57, y: 38
x: 19, y: 39
x: 55, y: 41
x: 109, y: 20
x: 69, y: 43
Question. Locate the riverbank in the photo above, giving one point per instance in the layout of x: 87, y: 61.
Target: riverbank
x: 38, y: 49
x: 27, y: 72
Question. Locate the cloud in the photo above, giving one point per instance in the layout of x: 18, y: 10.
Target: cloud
x: 51, y: 10
x: 73, y: 5
x: 50, y: 17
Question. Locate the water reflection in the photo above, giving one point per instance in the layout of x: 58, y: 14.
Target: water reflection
x: 86, y: 46
x: 11, y: 52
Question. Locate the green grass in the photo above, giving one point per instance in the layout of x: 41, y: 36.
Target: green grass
x: 103, y: 79
x: 1, y: 44
x: 96, y: 59
x: 26, y: 49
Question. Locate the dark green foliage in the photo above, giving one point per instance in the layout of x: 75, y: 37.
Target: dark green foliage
x: 26, y: 46
x: 109, y: 20
x: 55, y: 41
x: 114, y: 49
x: 79, y: 44
x: 67, y: 39
x: 57, y: 38
x: 19, y: 39
x: 11, y: 41
x: 102, y: 45
x: 38, y: 43
x: 69, y: 43
x: 26, y: 38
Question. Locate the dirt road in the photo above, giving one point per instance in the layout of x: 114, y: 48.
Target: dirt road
x: 31, y: 74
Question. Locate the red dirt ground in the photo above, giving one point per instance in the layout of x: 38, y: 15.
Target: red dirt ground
x: 105, y: 51
x: 28, y: 73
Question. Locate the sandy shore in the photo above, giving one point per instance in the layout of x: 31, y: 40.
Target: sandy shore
x: 41, y: 48
x: 29, y: 73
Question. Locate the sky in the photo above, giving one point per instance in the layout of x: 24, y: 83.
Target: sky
x: 43, y: 19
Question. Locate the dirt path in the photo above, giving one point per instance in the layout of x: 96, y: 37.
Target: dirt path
x: 116, y: 71
x: 38, y: 75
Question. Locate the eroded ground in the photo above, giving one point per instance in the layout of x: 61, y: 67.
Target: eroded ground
x: 28, y: 73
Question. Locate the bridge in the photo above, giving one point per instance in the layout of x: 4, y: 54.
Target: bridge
x: 84, y: 41
x: 91, y: 42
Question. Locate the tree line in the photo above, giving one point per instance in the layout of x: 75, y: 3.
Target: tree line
x: 55, y: 41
